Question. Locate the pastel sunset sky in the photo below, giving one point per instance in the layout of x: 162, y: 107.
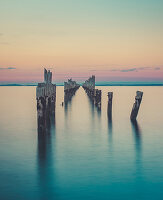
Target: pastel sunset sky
x: 116, y: 40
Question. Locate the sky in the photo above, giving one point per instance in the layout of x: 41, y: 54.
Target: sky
x: 115, y: 40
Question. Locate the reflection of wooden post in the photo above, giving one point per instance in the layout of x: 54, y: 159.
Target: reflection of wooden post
x: 136, y: 105
x: 110, y: 97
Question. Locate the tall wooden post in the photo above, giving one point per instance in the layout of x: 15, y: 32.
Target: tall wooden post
x: 98, y: 98
x: 110, y: 97
x: 135, y: 109
x: 46, y: 98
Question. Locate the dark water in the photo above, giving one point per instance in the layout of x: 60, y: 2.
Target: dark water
x: 83, y: 156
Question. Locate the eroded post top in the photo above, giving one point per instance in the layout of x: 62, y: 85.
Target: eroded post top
x: 110, y: 95
x: 139, y: 95
x: 47, y: 76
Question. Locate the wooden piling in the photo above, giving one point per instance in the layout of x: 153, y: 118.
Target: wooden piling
x: 110, y: 97
x: 136, y: 106
x: 97, y: 98
x: 46, y: 98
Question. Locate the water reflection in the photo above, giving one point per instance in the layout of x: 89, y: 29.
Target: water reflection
x: 137, y: 134
x: 68, y: 101
x: 110, y: 125
x: 92, y: 106
x: 110, y: 131
x: 99, y: 112
x: 46, y: 176
x: 95, y: 111
x: 67, y: 106
x: 138, y: 150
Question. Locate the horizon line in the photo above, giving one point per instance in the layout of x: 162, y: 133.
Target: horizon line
x: 98, y: 83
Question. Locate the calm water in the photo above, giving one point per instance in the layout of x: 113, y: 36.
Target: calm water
x: 83, y: 156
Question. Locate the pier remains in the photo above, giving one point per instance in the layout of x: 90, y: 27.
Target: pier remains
x: 136, y: 106
x: 46, y: 99
x: 70, y: 88
x: 94, y: 94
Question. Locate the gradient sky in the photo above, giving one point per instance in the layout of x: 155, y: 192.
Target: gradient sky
x: 117, y: 40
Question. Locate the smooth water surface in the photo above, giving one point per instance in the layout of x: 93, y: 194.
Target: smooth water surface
x: 85, y: 156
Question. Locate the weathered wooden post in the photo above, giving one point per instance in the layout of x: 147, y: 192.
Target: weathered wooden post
x: 46, y: 98
x: 135, y: 109
x: 98, y: 98
x: 110, y: 97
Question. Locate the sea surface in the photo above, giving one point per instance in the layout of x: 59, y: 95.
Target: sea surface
x: 84, y: 156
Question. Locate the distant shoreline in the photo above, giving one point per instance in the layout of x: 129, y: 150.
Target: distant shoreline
x: 97, y: 84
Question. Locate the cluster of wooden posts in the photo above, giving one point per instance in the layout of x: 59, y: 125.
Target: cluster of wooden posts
x: 46, y: 98
x: 70, y: 88
x: 94, y: 94
x: 135, y: 109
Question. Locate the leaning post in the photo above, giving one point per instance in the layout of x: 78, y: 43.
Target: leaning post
x: 135, y: 109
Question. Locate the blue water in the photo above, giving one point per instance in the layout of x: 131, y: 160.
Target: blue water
x: 83, y: 156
